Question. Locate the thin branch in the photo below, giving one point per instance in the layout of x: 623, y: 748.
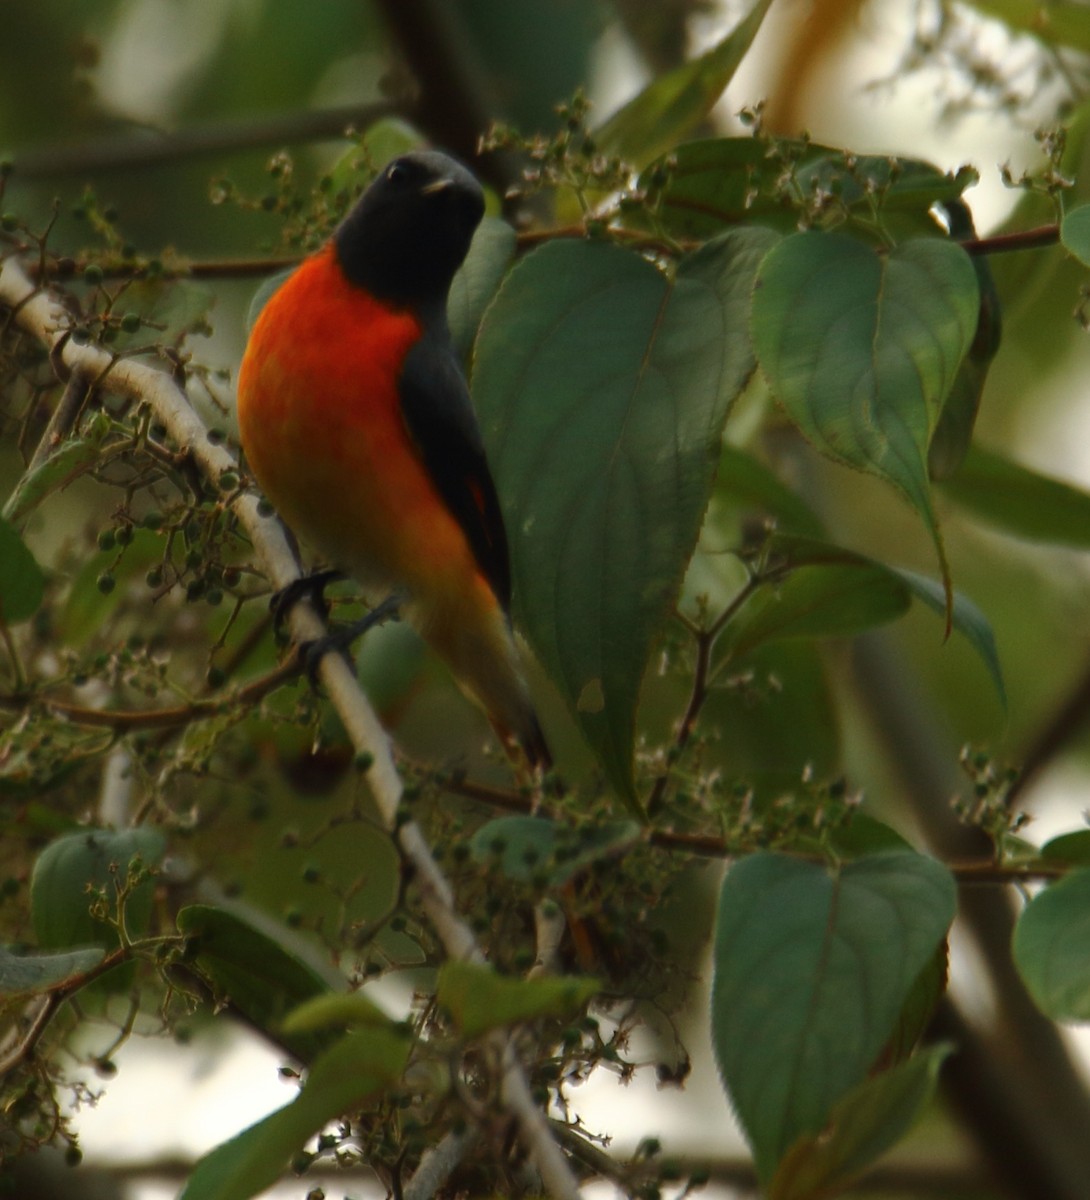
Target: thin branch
x: 1021, y: 239
x: 157, y: 147
x: 43, y: 317
x: 126, y: 720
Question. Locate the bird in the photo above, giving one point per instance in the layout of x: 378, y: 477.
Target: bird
x: 356, y: 421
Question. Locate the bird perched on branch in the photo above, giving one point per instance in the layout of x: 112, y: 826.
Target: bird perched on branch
x: 356, y: 419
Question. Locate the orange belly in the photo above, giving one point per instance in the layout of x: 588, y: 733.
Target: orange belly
x: 322, y: 431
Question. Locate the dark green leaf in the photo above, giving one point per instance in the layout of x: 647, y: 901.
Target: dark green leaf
x: 357, y: 1067
x: 954, y: 432
x: 671, y: 107
x: 475, y: 284
x: 27, y: 974
x: 98, y: 860
x: 812, y: 968
x: 818, y: 600
x: 1052, y: 948
x: 753, y: 488
x: 872, y: 1118
x: 703, y: 187
x: 862, y: 349
x: 478, y: 999
x: 966, y: 619
x: 259, y: 967
x: 1021, y: 501
x: 1073, y: 848
x: 602, y: 387
x: 529, y: 847
x: 865, y: 834
x: 22, y: 583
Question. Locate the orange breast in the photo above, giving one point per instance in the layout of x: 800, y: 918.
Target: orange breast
x: 322, y: 431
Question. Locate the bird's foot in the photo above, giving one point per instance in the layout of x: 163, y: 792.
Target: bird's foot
x: 340, y: 640
x: 311, y: 586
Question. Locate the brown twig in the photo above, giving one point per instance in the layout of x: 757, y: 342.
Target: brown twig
x: 129, y: 720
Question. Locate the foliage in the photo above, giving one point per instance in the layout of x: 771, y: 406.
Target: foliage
x: 673, y: 359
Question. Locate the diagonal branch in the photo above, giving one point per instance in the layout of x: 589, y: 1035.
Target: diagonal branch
x: 42, y: 316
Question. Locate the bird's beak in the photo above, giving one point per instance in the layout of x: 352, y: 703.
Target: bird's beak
x: 439, y: 185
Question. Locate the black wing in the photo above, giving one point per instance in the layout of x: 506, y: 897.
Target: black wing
x: 439, y: 415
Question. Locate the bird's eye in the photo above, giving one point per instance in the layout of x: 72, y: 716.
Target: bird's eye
x: 398, y: 172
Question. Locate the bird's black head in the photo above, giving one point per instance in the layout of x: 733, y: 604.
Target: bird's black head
x: 411, y: 229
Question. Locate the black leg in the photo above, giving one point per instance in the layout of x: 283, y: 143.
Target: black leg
x: 312, y: 586
x: 340, y: 640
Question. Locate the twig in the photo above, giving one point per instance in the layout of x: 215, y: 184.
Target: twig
x: 128, y: 720
x: 39, y: 314
x: 155, y: 148
x: 63, y: 418
x: 1020, y: 239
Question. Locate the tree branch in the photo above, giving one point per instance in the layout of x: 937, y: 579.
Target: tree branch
x: 37, y: 312
x: 157, y: 147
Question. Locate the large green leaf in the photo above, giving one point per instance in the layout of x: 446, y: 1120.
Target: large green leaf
x: 812, y: 968
x: 358, y: 1066
x: 671, y: 107
x: 862, y: 1127
x: 1052, y: 948
x: 255, y: 965
x: 1021, y: 501
x: 98, y: 860
x: 862, y: 348
x: 602, y: 386
x: 22, y: 583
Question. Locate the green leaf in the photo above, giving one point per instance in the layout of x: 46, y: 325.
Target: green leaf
x: 22, y: 583
x: 68, y: 461
x: 602, y: 386
x: 1052, y: 948
x: 1073, y: 848
x: 865, y: 834
x: 812, y: 968
x: 335, y: 1010
x: 478, y: 999
x: 1075, y: 233
x: 703, y: 187
x: 353, y: 1070
x: 833, y: 600
x: 862, y: 349
x: 965, y: 618
x: 30, y: 974
x: 829, y: 590
x: 872, y: 1118
x: 478, y: 278
x: 529, y: 847
x: 673, y: 105
x: 1021, y: 501
x: 259, y: 968
x: 68, y: 869
x: 750, y: 485
x: 954, y: 432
